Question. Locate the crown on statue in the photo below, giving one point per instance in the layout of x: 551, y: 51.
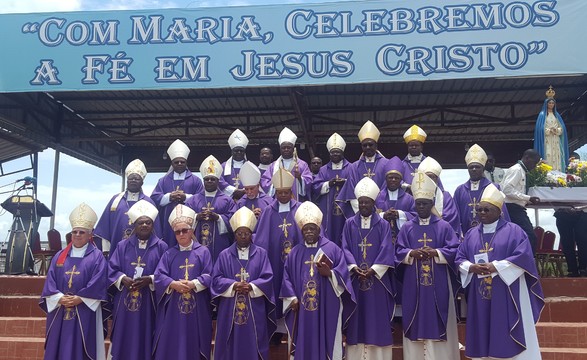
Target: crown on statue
x: 550, y: 92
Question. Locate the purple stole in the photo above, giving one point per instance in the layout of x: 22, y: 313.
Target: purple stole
x: 133, y: 312
x: 425, y: 293
x: 409, y: 168
x: 371, y: 323
x: 360, y: 169
x: 404, y: 202
x: 232, y: 179
x: 313, y: 328
x: 71, y: 332
x: 244, y: 324
x: 495, y: 327
x: 184, y: 321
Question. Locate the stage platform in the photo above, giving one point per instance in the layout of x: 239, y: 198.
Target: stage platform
x: 562, y: 329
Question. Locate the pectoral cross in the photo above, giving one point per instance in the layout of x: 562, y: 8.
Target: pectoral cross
x: 363, y: 245
x: 138, y: 262
x: 187, y: 265
x: 337, y: 187
x: 369, y: 173
x: 244, y: 275
x: 473, y: 204
x: 208, y: 207
x: 425, y: 240
x: 236, y: 180
x: 284, y: 228
x: 311, y: 262
x: 486, y: 248
x: 71, y: 273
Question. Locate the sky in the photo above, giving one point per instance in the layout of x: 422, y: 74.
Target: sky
x: 79, y: 181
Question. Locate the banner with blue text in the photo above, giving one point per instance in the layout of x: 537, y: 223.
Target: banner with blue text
x: 291, y: 45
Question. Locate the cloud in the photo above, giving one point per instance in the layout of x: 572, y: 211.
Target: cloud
x: 30, y: 6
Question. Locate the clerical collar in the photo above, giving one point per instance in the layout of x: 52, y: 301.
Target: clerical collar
x: 366, y: 222
x: 143, y: 243
x: 243, y: 253
x: 78, y: 252
x: 132, y: 196
x: 338, y: 165
x: 370, y: 159
x: 210, y: 194
x: 178, y: 176
x: 314, y: 245
x: 284, y: 207
x: 392, y: 194
x: 424, y: 221
x: 475, y: 185
x: 490, y: 228
x: 187, y: 248
x: 415, y: 159
x: 239, y: 163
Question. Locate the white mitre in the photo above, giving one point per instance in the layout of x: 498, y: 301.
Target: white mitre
x: 492, y: 195
x: 335, y: 141
x: 369, y: 131
x: 136, y: 167
x: 178, y: 149
x: 308, y: 213
x: 238, y: 139
x: 476, y: 154
x: 249, y: 174
x: 243, y: 217
x: 286, y: 135
x: 429, y: 164
x: 367, y: 187
x: 142, y: 208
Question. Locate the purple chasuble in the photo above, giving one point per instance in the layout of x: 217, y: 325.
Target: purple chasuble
x: 467, y: 201
x: 114, y: 224
x: 232, y: 179
x: 313, y: 328
x: 360, y: 169
x: 409, y: 168
x: 244, y: 323
x: 371, y: 323
x: 207, y: 232
x: 261, y: 201
x: 425, y: 293
x: 133, y: 314
x: 305, y: 181
x: 278, y: 233
x: 71, y: 332
x: 404, y: 202
x: 494, y: 322
x: 450, y: 213
x: 334, y: 217
x: 190, y: 185
x: 184, y: 321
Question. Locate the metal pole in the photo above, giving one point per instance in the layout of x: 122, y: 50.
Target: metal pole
x: 54, y: 191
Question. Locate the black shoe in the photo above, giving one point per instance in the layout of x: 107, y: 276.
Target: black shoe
x: 573, y: 274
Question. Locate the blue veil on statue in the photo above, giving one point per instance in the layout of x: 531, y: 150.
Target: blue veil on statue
x: 539, y: 131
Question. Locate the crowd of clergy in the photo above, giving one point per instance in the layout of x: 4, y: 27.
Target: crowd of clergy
x: 332, y: 260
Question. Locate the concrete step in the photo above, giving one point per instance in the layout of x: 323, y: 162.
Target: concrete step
x: 21, y: 284
x: 563, y: 354
x: 23, y: 326
x: 25, y: 348
x: 564, y: 309
x: 20, y: 305
x: 571, y: 287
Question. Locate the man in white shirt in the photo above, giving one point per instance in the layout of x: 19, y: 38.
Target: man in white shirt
x: 514, y: 188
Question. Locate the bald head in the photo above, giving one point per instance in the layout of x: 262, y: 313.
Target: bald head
x: 530, y: 158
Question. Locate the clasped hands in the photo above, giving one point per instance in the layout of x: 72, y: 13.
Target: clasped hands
x: 182, y: 286
x: 136, y: 284
x: 482, y: 269
x: 177, y: 195
x: 70, y: 301
x: 366, y: 274
x: 207, y: 215
x: 242, y: 287
x: 425, y: 252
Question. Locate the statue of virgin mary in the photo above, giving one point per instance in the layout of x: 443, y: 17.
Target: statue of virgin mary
x: 550, y: 135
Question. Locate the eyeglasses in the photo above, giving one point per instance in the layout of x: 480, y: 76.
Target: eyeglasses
x: 181, y: 231
x: 146, y: 222
x: 78, y: 232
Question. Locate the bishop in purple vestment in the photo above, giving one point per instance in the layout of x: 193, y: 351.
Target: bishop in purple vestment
x: 253, y: 199
x: 371, y: 164
x: 114, y: 224
x: 468, y: 195
x: 327, y: 185
x: 131, y: 271
x: 414, y: 138
x: 277, y: 232
x: 175, y: 187
x: 426, y: 248
x: 317, y: 294
x: 73, y: 294
x: 182, y: 281
x: 214, y: 209
x: 230, y: 182
x: 370, y: 255
x: 242, y: 285
x: 504, y: 296
x: 302, y: 186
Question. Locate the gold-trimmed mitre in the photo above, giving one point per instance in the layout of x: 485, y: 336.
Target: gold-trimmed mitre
x: 367, y: 187
x: 142, y: 208
x: 335, y: 141
x: 308, y: 213
x: 476, y: 154
x: 83, y: 216
x: 182, y: 214
x: 211, y: 167
x: 415, y: 133
x: 422, y: 186
x: 493, y: 195
x: 136, y: 167
x: 282, y: 179
x: 369, y: 131
x: 243, y: 217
